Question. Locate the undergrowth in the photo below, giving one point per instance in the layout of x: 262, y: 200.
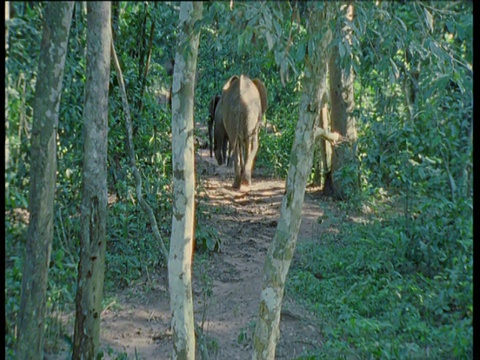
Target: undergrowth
x: 373, y: 299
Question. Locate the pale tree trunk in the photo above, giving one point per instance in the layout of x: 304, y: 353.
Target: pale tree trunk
x: 181, y: 243
x: 53, y: 49
x: 342, y: 121
x: 280, y: 252
x: 91, y: 268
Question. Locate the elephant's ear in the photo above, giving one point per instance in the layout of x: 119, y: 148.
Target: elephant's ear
x: 263, y: 93
x: 229, y: 83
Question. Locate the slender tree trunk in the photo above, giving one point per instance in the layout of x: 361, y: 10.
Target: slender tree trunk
x: 342, y: 105
x: 53, y: 49
x: 280, y: 253
x: 181, y: 244
x: 143, y: 80
x: 91, y: 267
x: 323, y: 151
x: 115, y: 18
x: 131, y: 157
x: 141, y: 38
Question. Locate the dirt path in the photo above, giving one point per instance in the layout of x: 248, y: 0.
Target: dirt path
x: 138, y: 321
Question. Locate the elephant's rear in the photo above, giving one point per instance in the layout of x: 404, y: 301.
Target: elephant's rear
x: 242, y: 106
x: 251, y: 106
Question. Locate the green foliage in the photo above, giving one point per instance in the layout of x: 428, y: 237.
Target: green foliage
x: 15, y: 232
x: 257, y: 51
x: 373, y: 299
x: 132, y: 250
x: 207, y: 239
x: 436, y: 136
x: 397, y: 287
x: 112, y: 354
x: 246, y: 334
x: 275, y: 145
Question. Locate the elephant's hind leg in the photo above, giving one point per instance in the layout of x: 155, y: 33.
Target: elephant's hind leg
x: 246, y: 171
x: 252, y: 146
x: 237, y: 165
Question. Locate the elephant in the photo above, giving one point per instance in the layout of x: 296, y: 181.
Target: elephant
x: 240, y: 109
x: 212, y: 106
x: 220, y: 144
x: 220, y: 137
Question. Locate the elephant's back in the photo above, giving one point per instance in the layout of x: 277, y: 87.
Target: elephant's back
x: 248, y: 92
x: 241, y: 107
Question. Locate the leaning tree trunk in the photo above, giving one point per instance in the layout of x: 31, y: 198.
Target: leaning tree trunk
x: 181, y: 244
x: 280, y: 253
x: 53, y: 49
x: 91, y: 267
x: 342, y: 121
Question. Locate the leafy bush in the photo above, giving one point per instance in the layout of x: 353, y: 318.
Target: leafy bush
x: 373, y: 299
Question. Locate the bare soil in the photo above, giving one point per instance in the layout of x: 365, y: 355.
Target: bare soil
x: 137, y: 321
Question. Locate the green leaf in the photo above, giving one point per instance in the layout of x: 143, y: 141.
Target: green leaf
x: 270, y: 42
x: 341, y: 50
x: 300, y: 53
x: 401, y: 23
x: 428, y: 19
x: 396, y: 72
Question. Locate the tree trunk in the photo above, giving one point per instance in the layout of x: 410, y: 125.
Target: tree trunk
x: 280, y: 253
x: 342, y: 104
x: 323, y: 151
x: 53, y: 49
x: 181, y: 243
x: 91, y: 267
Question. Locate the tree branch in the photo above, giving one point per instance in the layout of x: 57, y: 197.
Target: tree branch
x: 334, y: 138
x: 131, y: 154
x: 147, y: 66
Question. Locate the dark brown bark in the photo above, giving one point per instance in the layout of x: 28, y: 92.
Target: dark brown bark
x: 342, y: 122
x: 31, y: 316
x: 323, y: 150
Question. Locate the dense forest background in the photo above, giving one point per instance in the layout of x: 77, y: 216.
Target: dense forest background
x: 413, y: 66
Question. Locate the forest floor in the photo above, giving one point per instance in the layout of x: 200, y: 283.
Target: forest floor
x: 226, y: 284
